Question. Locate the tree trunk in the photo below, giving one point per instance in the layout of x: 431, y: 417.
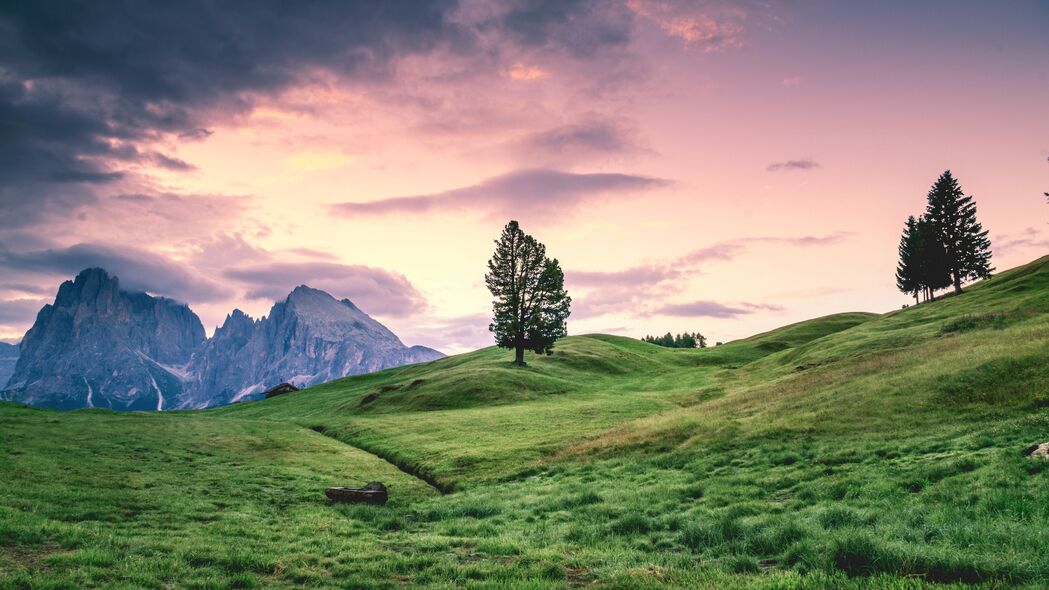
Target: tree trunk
x: 957, y: 283
x: 519, y: 358
x: 916, y: 302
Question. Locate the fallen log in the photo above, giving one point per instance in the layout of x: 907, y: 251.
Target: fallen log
x: 373, y: 493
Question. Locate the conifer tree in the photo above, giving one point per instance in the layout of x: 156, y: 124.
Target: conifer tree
x: 531, y: 304
x: 952, y: 216
x: 908, y: 273
x: 923, y: 266
x: 934, y: 272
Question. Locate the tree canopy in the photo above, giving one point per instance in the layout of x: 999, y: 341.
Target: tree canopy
x: 530, y: 304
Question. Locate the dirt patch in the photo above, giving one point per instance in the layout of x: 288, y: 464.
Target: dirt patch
x: 27, y: 557
x: 579, y: 577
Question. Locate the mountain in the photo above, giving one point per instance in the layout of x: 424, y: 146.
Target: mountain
x: 8, y: 358
x: 100, y: 346
x: 308, y: 338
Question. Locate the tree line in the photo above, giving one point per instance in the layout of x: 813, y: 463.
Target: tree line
x: 686, y: 340
x: 946, y: 246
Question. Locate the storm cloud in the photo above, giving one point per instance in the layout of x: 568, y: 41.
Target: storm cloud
x: 84, y: 84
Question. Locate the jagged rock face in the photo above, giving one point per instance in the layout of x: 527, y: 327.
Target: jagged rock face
x: 8, y: 358
x: 308, y: 338
x: 100, y: 346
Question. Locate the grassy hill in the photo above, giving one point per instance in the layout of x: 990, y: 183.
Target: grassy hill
x: 854, y: 450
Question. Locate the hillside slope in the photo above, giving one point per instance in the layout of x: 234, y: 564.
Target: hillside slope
x: 851, y: 451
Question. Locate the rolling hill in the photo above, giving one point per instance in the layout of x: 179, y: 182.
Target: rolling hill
x: 849, y: 451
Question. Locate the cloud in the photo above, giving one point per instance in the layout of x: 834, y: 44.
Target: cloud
x: 16, y: 311
x: 791, y: 81
x: 138, y: 270
x: 592, y: 137
x: 544, y: 194
x: 1027, y: 238
x: 520, y: 71
x: 642, y: 290
x: 720, y: 251
x: 85, y: 86
x: 636, y: 276
x: 731, y: 249
x: 708, y: 26
x: 713, y: 309
x: 628, y: 290
x: 450, y: 335
x: 374, y: 290
x: 793, y: 165
x: 580, y: 28
x: 169, y: 163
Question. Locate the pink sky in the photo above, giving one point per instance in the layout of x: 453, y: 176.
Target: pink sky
x: 722, y: 167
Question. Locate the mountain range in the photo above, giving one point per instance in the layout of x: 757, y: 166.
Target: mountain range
x: 100, y: 346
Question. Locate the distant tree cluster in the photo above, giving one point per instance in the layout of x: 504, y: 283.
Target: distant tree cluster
x: 946, y: 246
x: 686, y: 340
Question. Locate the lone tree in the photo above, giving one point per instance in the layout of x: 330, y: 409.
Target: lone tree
x: 531, y: 304
x: 952, y: 216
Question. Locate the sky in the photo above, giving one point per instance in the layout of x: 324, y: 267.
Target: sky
x: 717, y: 166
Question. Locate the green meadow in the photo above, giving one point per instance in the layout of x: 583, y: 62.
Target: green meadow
x: 850, y: 451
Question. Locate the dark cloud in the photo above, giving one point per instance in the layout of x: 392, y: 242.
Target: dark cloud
x: 793, y: 165
x: 138, y: 270
x: 713, y: 309
x: 581, y: 28
x: 545, y: 194
x: 170, y: 163
x: 83, y: 83
x: 374, y: 290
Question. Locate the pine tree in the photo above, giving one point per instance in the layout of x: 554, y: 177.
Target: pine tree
x: 531, y: 305
x: 952, y: 215
x: 908, y: 273
x: 934, y: 270
x: 701, y: 340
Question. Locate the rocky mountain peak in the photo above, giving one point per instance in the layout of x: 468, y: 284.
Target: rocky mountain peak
x: 101, y: 346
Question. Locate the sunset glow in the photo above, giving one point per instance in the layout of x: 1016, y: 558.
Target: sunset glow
x: 719, y: 166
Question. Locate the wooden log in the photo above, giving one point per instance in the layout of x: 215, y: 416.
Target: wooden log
x: 373, y: 493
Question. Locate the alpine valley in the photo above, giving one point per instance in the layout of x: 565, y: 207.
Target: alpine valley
x: 99, y: 346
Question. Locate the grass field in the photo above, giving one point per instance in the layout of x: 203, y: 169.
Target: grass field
x: 850, y: 451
